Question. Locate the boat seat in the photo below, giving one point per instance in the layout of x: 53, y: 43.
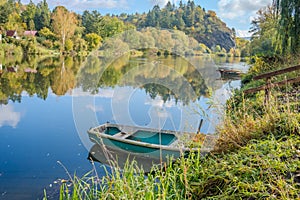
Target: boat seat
x: 121, y: 135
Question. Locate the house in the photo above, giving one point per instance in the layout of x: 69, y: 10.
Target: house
x: 30, y: 33
x: 12, y: 33
x: 12, y: 68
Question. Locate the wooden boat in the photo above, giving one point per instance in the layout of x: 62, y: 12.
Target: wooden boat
x: 119, y: 158
x: 229, y: 72
x: 163, y: 144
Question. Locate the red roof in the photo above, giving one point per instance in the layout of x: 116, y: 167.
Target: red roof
x: 10, y: 33
x: 30, y: 33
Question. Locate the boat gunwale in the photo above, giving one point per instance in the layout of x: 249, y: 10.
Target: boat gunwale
x: 139, y: 143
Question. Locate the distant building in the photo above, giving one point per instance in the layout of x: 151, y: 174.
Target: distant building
x: 12, y: 33
x: 30, y: 33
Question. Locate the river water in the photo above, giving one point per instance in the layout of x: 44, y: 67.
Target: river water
x: 48, y: 103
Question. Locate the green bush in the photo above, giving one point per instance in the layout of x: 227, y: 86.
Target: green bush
x: 69, y: 45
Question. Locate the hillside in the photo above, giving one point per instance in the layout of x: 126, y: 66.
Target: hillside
x: 204, y: 26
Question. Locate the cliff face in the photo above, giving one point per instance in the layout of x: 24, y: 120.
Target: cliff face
x: 217, y: 37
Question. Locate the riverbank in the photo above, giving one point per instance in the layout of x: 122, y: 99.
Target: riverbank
x: 257, y: 156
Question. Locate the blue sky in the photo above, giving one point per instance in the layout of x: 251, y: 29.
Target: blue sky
x: 235, y: 13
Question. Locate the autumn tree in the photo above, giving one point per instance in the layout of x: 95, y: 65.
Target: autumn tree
x: 64, y: 23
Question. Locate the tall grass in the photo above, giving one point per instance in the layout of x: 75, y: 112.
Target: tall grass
x: 257, y: 156
x: 263, y: 169
x: 249, y: 120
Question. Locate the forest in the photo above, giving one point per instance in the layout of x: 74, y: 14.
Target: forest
x: 64, y: 31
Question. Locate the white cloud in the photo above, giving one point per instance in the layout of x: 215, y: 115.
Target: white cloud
x: 80, y: 5
x: 243, y: 33
x: 159, y: 103
x: 8, y: 116
x: 95, y: 4
x: 236, y: 9
x: 95, y: 108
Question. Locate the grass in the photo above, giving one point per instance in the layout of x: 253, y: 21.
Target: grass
x: 266, y: 168
x: 256, y: 157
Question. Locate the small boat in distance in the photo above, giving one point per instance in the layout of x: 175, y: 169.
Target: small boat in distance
x: 153, y: 143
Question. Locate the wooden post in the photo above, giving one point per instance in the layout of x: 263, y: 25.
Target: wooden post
x: 200, y: 125
x: 267, y: 90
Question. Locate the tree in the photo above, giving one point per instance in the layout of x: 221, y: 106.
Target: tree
x: 111, y: 26
x: 93, y: 40
x: 92, y: 22
x: 47, y: 33
x: 14, y: 22
x: 64, y: 23
x: 289, y: 25
x: 42, y: 15
x: 264, y: 31
x: 28, y: 15
x: 6, y: 9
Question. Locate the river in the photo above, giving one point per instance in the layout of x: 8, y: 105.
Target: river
x: 48, y: 103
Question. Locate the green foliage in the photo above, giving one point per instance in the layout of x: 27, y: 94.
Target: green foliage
x: 47, y: 33
x: 42, y: 15
x: 6, y: 9
x: 189, y: 18
x: 243, y: 46
x: 217, y: 48
x: 276, y: 29
x: 69, y: 45
x: 203, y: 48
x: 111, y: 26
x: 14, y: 22
x: 80, y: 45
x: 167, y: 42
x: 264, y: 29
x: 93, y: 40
x: 28, y: 15
x: 92, y: 22
x: 262, y: 169
x: 205, y: 27
x: 289, y: 25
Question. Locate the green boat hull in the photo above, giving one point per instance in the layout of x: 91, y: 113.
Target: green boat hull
x: 157, y: 153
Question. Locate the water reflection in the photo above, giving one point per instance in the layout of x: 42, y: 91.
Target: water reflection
x: 119, y: 157
x: 32, y: 144
x: 166, y: 77
x: 36, y: 75
x: 9, y: 117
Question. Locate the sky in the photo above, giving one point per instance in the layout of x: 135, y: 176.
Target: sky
x: 236, y: 14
